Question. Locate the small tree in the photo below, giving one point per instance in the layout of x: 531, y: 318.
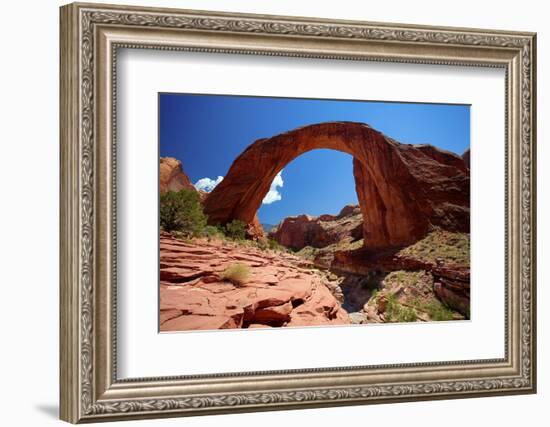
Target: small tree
x: 182, y: 211
x: 235, y: 230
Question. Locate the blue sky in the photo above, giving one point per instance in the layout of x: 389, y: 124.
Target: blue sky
x: 207, y: 132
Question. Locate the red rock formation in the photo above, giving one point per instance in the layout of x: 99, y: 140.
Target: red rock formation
x: 403, y: 190
x: 297, y: 232
x: 441, y: 156
x: 466, y: 157
x: 452, y: 286
x: 171, y: 176
x: 281, y: 290
x: 255, y: 231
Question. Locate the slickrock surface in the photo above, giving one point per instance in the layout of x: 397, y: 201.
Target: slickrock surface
x: 282, y: 290
x: 403, y: 190
x: 297, y: 232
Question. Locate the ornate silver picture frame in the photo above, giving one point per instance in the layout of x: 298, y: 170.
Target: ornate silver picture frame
x: 91, y: 35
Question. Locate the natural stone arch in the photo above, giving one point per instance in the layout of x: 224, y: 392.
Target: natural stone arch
x: 403, y: 190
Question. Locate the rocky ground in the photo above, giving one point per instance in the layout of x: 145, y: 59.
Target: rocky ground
x: 426, y: 281
x: 282, y: 289
x: 399, y: 296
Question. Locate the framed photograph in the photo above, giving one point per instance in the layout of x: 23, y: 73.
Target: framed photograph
x: 266, y: 212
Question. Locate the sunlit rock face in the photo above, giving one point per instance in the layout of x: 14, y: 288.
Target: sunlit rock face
x: 403, y: 190
x: 299, y: 231
x: 171, y: 176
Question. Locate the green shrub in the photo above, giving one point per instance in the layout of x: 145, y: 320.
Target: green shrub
x: 211, y: 231
x: 440, y: 244
x: 235, y: 230
x: 440, y: 313
x: 435, y: 309
x: 262, y: 244
x: 398, y: 313
x: 182, y: 211
x: 307, y: 252
x: 275, y: 245
x: 405, y: 278
x: 181, y: 236
x: 237, y: 274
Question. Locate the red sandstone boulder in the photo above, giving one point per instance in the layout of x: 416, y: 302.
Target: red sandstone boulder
x: 171, y: 176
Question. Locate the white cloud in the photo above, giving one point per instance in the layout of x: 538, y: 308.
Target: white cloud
x: 208, y: 184
x: 273, y: 194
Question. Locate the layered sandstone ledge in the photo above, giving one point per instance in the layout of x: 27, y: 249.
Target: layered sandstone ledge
x: 282, y: 289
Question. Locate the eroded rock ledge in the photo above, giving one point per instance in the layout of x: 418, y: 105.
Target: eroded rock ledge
x: 283, y: 290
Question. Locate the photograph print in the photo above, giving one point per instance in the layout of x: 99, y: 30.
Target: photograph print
x: 290, y: 212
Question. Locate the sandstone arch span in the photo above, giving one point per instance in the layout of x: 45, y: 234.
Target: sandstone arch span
x: 403, y: 190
